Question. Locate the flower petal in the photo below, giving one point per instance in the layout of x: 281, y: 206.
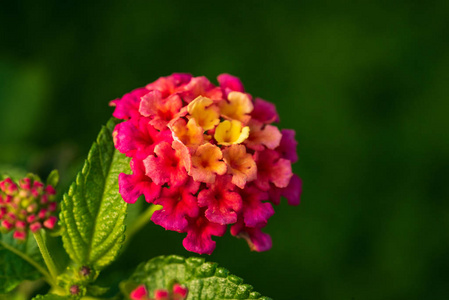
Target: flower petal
x: 178, y: 203
x: 168, y: 166
x: 132, y: 186
x: 241, y: 165
x: 199, y: 235
x: 207, y: 163
x: 221, y: 201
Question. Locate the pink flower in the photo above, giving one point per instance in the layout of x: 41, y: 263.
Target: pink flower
x: 26, y: 206
x: 221, y: 200
x: 199, y: 234
x: 167, y: 165
x: 209, y: 155
x: 256, y: 239
x: 138, y: 140
x: 133, y: 186
x: 177, y: 204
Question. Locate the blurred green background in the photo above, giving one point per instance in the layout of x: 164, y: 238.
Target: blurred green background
x: 365, y: 86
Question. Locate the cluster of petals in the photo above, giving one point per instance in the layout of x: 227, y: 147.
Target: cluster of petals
x: 179, y: 292
x: 27, y: 205
x: 209, y: 155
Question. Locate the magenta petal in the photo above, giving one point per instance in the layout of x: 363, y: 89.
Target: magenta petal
x: 264, y: 111
x: 287, y: 146
x: 199, y: 235
x: 138, y: 139
x: 221, y: 201
x: 161, y: 111
x: 255, y: 212
x: 256, y: 239
x: 230, y: 83
x: 178, y: 203
x: 128, y: 106
x: 271, y: 168
x: 293, y: 191
x: 132, y: 186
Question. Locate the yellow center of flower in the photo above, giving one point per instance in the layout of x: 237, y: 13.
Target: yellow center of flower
x: 231, y: 132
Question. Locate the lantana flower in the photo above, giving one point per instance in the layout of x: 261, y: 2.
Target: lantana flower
x: 210, y: 155
x: 27, y: 205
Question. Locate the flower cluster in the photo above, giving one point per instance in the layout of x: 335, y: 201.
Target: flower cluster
x: 179, y: 292
x: 209, y: 155
x: 28, y: 205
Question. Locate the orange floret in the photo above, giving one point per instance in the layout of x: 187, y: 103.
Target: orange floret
x: 189, y: 134
x: 241, y: 165
x: 207, y: 163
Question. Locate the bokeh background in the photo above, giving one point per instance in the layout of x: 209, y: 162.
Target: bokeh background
x: 365, y: 86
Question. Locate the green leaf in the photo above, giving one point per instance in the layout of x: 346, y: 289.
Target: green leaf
x: 50, y: 297
x: 18, y: 261
x: 93, y: 212
x: 53, y: 178
x: 205, y: 280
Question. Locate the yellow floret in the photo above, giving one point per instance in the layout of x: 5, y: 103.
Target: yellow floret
x: 204, y: 112
x: 231, y: 132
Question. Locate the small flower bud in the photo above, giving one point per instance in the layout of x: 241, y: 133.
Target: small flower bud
x: 85, y: 271
x: 74, y: 289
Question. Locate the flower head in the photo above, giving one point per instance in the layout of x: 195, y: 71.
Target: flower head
x: 27, y: 205
x: 209, y: 155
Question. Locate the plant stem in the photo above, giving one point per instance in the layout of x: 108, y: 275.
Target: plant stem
x: 140, y: 222
x: 46, y: 255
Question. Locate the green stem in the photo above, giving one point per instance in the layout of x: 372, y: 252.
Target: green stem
x: 46, y: 255
x: 28, y: 259
x: 140, y: 222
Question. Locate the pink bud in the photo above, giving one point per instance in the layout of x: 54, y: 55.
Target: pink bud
x: 50, y: 190
x: 21, y: 224
x: 52, y: 206
x: 11, y: 216
x: 50, y: 222
x: 139, y: 293
x: 32, y: 207
x: 31, y: 218
x: 179, y: 292
x: 8, y: 199
x: 25, y: 183
x: 20, y: 235
x: 42, y: 213
x: 8, y: 225
x: 44, y: 199
x: 161, y: 295
x: 35, y: 226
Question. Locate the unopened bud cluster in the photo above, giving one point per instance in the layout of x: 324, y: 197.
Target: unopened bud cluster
x: 28, y: 205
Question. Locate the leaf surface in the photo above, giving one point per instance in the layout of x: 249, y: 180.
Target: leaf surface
x: 93, y: 212
x: 204, y: 280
